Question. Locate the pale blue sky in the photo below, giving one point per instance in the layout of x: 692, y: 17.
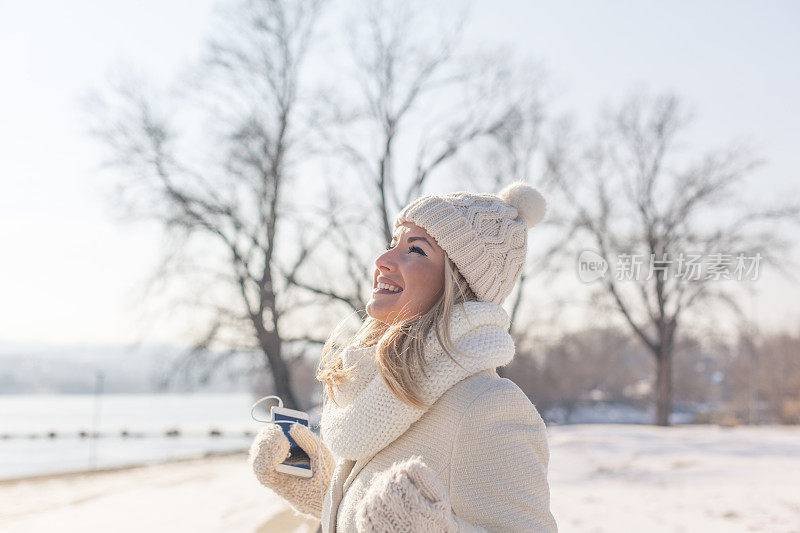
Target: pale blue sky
x: 68, y: 270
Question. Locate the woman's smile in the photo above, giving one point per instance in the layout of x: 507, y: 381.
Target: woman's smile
x: 384, y: 285
x: 385, y: 291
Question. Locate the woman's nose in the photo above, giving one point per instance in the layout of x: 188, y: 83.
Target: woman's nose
x: 385, y: 261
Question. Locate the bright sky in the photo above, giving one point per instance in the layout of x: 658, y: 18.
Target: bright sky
x: 68, y: 271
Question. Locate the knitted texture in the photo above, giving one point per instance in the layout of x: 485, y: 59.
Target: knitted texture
x: 406, y: 498
x: 487, y: 444
x: 371, y: 416
x: 270, y: 447
x: 485, y: 235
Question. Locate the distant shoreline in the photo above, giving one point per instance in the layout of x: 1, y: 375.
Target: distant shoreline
x: 113, y: 469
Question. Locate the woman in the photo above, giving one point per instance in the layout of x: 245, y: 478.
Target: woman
x: 418, y: 431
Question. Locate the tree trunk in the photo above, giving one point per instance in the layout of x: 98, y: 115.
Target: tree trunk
x: 663, y: 387
x: 283, y: 386
x: 271, y: 346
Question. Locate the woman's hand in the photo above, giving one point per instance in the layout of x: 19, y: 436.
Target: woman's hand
x: 407, y: 497
x: 270, y: 447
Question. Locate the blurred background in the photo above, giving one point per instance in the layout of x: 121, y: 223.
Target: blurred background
x: 193, y: 195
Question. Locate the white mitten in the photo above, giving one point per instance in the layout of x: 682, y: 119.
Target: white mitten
x: 408, y: 497
x: 270, y: 447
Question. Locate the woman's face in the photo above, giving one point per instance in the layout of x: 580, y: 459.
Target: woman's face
x: 413, y: 263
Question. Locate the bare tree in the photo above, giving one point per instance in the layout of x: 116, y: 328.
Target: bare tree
x: 413, y: 103
x: 227, y: 198
x: 626, y: 195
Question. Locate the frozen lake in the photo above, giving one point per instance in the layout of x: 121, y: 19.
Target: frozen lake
x: 27, y: 420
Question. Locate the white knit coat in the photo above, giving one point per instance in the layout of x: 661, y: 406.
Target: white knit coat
x: 481, y: 435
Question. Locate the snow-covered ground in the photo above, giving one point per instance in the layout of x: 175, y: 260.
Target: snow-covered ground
x: 688, y: 478
x: 603, y: 477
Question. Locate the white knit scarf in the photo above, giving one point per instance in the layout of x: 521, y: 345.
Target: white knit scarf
x: 371, y: 416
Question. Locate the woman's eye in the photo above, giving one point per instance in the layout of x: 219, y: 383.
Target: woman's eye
x: 410, y: 249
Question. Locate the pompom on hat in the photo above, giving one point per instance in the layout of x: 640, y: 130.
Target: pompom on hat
x: 485, y: 235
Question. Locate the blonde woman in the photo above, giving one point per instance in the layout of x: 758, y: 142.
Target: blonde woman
x: 418, y: 431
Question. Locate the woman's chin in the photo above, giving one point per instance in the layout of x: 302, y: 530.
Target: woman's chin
x: 378, y: 310
x: 373, y: 308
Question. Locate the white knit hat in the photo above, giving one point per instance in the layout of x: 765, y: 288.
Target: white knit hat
x: 485, y: 235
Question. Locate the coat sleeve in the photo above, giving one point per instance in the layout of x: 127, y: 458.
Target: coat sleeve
x: 498, y: 468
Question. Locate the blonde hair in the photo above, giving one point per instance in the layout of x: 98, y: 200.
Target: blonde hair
x: 399, y: 345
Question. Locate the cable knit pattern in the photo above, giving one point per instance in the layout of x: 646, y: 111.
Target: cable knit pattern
x: 485, y: 235
x: 371, y: 416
